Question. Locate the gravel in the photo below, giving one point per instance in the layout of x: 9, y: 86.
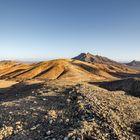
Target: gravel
x: 82, y: 111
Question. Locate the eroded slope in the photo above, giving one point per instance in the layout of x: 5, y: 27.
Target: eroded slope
x: 67, y: 69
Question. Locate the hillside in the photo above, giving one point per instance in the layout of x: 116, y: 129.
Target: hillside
x: 81, y: 98
x: 130, y: 85
x: 68, y: 69
x: 66, y: 111
x: 7, y: 63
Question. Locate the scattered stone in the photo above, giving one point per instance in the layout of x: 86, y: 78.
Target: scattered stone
x: 6, y: 131
x: 48, y: 133
x: 10, y: 112
x: 33, y: 92
x: 52, y: 114
x: 35, y: 102
x: 35, y: 127
x: 67, y: 120
x: 44, y: 99
x: 19, y: 126
x: 50, y: 121
x: 46, y: 117
x: 66, y: 138
x: 68, y: 101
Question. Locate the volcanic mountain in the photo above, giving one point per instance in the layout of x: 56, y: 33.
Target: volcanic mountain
x: 90, y: 58
x: 67, y: 69
x: 134, y: 63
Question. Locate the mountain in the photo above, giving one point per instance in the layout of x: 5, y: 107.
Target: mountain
x: 38, y: 99
x: 134, y: 63
x: 65, y: 69
x: 96, y: 59
x: 90, y: 58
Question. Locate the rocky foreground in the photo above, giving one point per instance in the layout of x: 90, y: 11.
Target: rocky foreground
x: 58, y: 111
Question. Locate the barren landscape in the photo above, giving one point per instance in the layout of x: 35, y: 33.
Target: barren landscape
x: 69, y: 69
x: 88, y: 97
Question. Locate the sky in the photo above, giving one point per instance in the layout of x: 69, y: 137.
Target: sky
x: 48, y: 29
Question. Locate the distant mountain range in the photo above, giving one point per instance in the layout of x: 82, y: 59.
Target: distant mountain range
x: 82, y: 67
x: 90, y: 58
x: 134, y: 63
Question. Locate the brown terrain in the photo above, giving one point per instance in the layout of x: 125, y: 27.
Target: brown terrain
x: 65, y: 69
x: 88, y: 97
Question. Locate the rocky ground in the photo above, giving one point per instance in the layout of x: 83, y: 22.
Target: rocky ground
x: 61, y: 111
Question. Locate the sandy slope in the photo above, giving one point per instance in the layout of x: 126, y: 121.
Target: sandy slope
x: 6, y: 84
x: 67, y: 69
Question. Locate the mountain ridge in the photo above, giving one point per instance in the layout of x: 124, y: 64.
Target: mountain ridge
x: 68, y: 69
x: 134, y: 63
x: 90, y: 58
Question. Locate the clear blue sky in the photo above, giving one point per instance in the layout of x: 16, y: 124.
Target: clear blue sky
x: 46, y: 29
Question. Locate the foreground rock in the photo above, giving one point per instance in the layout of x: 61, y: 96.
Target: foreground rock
x: 58, y: 111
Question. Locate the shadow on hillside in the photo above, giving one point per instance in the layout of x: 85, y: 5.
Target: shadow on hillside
x: 34, y: 114
x: 85, y: 67
x: 136, y: 128
x: 17, y: 91
x: 130, y: 85
x: 124, y: 75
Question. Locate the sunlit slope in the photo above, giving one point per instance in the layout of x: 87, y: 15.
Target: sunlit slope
x: 68, y: 69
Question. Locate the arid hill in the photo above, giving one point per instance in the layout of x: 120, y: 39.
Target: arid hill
x: 7, y: 63
x: 68, y: 69
x: 61, y: 100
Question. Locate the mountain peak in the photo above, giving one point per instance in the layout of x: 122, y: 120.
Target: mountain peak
x: 90, y: 58
x: 134, y: 63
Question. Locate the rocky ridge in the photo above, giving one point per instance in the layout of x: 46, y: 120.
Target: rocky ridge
x: 82, y: 111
